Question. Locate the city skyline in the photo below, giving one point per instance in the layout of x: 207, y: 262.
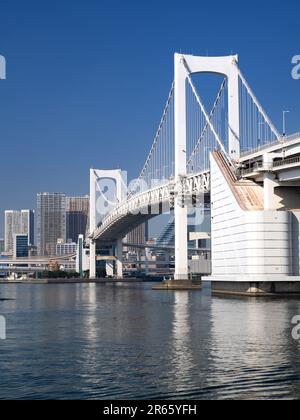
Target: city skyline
x: 82, y: 110
x: 33, y: 208
x: 154, y: 226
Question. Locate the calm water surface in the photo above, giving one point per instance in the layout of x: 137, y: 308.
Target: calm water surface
x: 127, y: 341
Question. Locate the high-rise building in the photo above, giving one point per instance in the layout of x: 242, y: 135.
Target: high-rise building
x: 27, y: 225
x: 18, y: 223
x: 51, y: 222
x: 20, y: 246
x: 138, y: 236
x: 2, y: 246
x: 12, y: 226
x: 77, y: 209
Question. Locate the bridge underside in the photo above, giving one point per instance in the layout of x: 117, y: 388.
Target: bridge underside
x: 123, y: 227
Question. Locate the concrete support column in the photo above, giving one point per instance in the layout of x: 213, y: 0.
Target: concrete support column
x: 92, y: 259
x: 110, y: 265
x: 119, y: 255
x: 138, y: 258
x: 269, y: 188
x: 146, y: 262
x: 180, y: 208
x: 269, y: 181
x: 109, y: 269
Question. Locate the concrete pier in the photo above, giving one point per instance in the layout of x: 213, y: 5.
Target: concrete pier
x: 179, y: 285
x: 287, y: 287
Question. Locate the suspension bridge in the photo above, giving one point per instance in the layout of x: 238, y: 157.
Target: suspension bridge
x: 234, y: 153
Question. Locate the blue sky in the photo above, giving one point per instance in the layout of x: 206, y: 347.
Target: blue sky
x: 87, y: 80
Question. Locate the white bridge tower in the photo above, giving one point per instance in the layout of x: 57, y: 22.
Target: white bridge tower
x: 185, y: 66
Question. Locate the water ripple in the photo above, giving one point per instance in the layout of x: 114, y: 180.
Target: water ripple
x: 95, y: 342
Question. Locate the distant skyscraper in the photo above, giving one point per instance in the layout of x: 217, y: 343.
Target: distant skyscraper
x: 12, y: 227
x: 51, y: 222
x: 138, y: 236
x: 77, y: 209
x: 20, y: 246
x: 18, y: 223
x: 2, y: 245
x: 27, y: 225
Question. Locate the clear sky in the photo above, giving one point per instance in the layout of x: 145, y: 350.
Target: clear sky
x: 87, y: 80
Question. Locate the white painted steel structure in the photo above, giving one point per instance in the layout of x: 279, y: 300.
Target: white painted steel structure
x: 237, y: 126
x: 2, y: 68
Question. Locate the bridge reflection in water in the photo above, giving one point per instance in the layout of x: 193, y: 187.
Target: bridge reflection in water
x: 127, y: 341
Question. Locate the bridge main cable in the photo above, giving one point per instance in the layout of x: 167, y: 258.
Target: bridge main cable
x: 258, y: 105
x: 161, y: 125
x: 190, y: 160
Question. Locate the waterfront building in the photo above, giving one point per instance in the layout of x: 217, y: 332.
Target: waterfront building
x: 27, y: 225
x: 18, y: 222
x: 77, y: 213
x: 51, y: 222
x: 69, y: 266
x: 65, y: 248
x: 21, y: 247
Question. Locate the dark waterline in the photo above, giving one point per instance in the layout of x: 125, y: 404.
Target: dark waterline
x: 129, y: 342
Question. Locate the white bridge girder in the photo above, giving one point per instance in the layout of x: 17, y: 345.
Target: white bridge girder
x: 147, y: 205
x: 281, y: 158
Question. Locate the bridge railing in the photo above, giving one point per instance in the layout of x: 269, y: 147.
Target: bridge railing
x: 282, y: 141
x: 292, y: 137
x: 261, y: 148
x: 259, y: 167
x: 288, y: 161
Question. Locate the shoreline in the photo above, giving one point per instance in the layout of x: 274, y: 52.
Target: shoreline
x: 80, y: 281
